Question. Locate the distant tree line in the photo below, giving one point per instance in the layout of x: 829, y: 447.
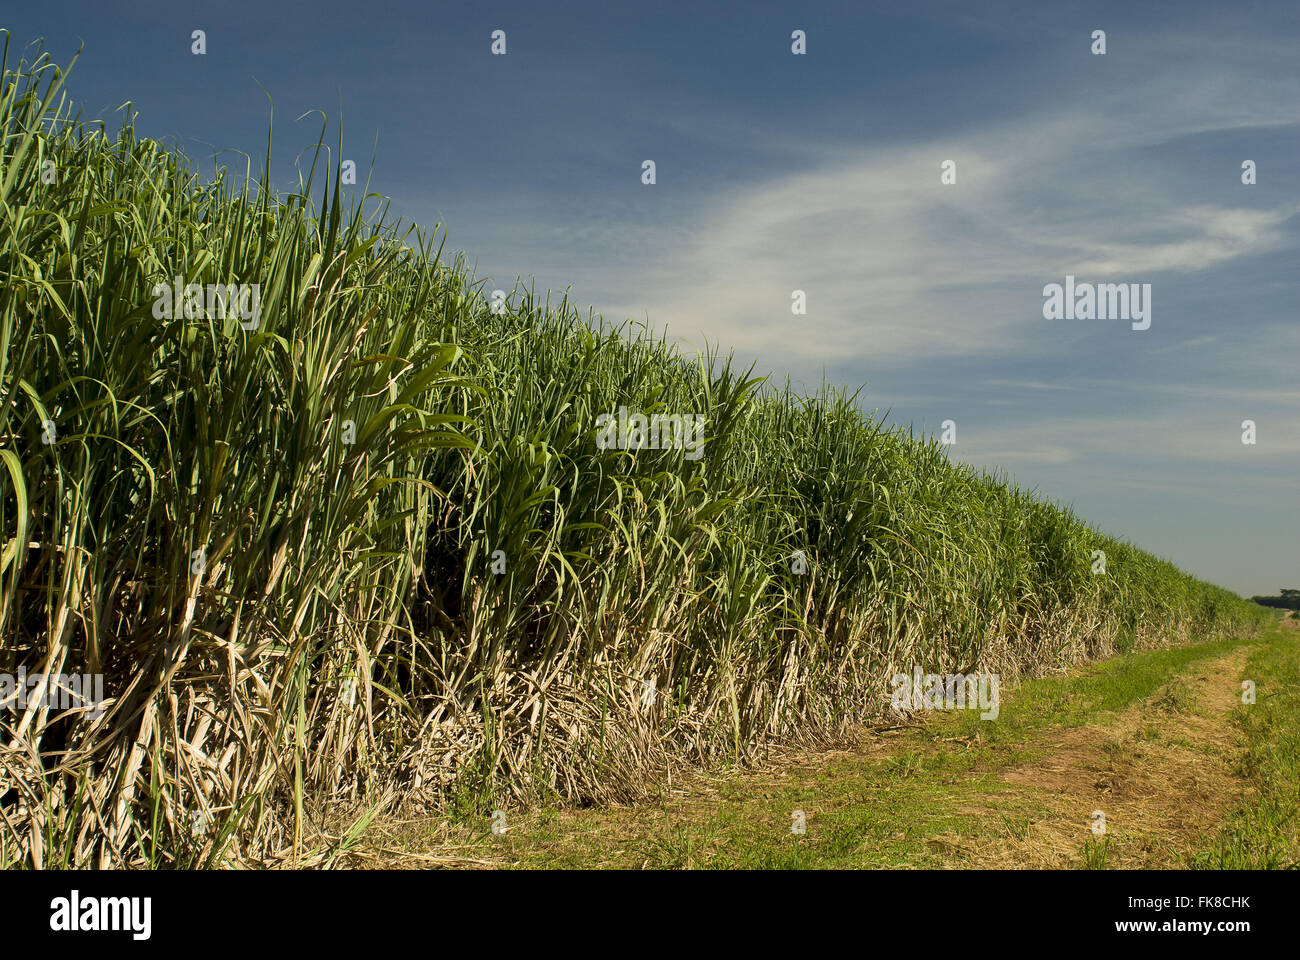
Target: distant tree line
x: 1289, y: 600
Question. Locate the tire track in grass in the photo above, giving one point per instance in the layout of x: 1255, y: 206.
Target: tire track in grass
x: 1159, y: 773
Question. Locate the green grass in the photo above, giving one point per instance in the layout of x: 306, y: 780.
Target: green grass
x: 351, y: 472
x: 1264, y: 832
x: 1096, y: 853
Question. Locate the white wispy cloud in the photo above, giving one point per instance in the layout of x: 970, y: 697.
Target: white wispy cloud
x: 898, y: 267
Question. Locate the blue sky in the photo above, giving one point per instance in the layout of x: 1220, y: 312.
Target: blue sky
x: 821, y: 172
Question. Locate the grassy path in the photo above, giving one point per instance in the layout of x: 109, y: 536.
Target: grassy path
x: 1158, y: 741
